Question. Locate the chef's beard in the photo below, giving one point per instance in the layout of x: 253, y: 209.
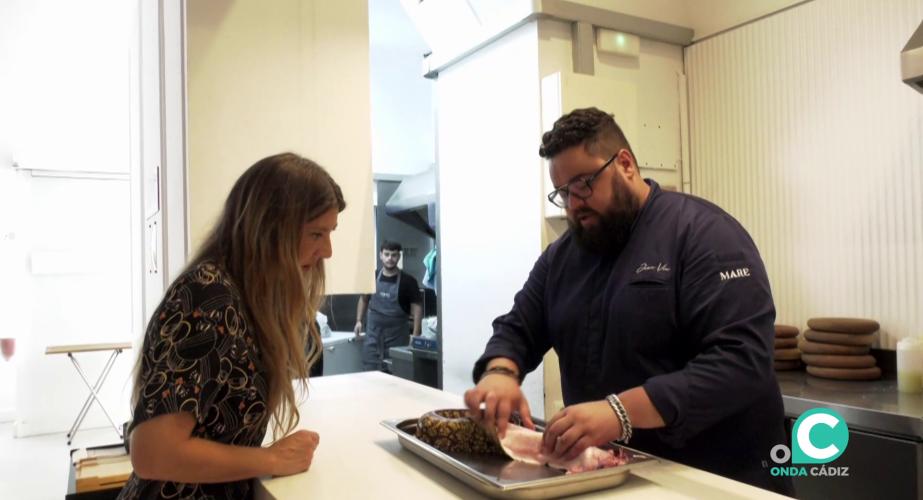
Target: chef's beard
x: 613, y: 227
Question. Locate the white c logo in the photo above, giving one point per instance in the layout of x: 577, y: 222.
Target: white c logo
x: 804, y: 436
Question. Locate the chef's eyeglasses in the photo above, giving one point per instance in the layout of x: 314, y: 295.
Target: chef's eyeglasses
x: 581, y: 187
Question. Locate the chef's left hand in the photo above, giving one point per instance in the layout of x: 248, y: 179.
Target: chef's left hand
x: 577, y: 427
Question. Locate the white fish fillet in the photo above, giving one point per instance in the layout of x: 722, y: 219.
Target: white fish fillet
x: 525, y: 445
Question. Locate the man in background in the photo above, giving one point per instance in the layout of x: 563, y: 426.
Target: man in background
x: 397, y: 297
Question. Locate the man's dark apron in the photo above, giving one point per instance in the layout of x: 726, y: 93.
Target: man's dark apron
x: 386, y: 326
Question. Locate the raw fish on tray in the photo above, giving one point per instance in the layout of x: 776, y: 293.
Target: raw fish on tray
x: 452, y: 430
x: 525, y: 445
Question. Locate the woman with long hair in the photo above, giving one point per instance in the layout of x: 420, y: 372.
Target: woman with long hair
x: 232, y: 332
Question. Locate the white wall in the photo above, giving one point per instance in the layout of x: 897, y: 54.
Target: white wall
x: 403, y: 138
x: 655, y: 75
x: 80, y: 263
x: 65, y: 243
x: 802, y: 129
x: 489, y: 178
x: 70, y: 84
x: 15, y: 286
x: 293, y: 75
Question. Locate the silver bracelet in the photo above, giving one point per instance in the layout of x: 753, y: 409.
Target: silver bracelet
x: 622, y: 414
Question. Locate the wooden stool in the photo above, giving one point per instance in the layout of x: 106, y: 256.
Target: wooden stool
x: 116, y: 349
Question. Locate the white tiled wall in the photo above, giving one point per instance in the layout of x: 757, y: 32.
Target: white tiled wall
x: 802, y: 129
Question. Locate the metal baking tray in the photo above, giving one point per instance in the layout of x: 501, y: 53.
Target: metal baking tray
x: 500, y: 477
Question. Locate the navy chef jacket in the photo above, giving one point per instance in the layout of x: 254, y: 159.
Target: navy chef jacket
x: 684, y: 310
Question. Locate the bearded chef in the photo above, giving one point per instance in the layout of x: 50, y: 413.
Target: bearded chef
x: 397, y: 295
x: 658, y: 306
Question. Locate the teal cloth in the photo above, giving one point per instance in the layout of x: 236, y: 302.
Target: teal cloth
x: 429, y: 262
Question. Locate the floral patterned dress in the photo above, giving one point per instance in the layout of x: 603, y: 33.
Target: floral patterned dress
x: 201, y: 356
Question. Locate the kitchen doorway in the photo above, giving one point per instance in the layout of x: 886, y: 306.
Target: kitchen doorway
x: 404, y: 172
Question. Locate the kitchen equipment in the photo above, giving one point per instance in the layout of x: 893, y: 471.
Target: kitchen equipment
x: 885, y: 449
x: 787, y: 356
x: 872, y: 373
x: 500, y: 477
x: 910, y: 365
x: 98, y: 472
x: 420, y: 342
x: 858, y: 326
x: 834, y: 348
x: 839, y: 338
x: 342, y: 353
x: 809, y: 347
x: 912, y: 60
x: 419, y: 365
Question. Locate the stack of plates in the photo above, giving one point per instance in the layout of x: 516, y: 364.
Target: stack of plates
x: 788, y: 357
x: 838, y: 348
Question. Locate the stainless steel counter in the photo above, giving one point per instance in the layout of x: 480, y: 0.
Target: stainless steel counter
x: 874, y: 406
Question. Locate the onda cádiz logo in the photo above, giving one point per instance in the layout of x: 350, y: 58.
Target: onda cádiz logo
x: 819, y: 437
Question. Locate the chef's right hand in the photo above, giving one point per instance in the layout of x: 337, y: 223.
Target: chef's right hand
x: 358, y: 329
x: 293, y: 453
x: 500, y: 395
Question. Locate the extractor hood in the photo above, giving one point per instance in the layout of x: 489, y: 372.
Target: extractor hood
x: 912, y: 60
x: 414, y: 201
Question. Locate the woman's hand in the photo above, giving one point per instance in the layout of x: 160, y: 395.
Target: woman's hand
x: 293, y: 453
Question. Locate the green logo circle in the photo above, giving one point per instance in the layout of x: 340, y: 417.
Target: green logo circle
x: 818, y: 437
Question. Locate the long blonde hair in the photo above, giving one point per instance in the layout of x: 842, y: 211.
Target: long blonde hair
x: 256, y: 240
